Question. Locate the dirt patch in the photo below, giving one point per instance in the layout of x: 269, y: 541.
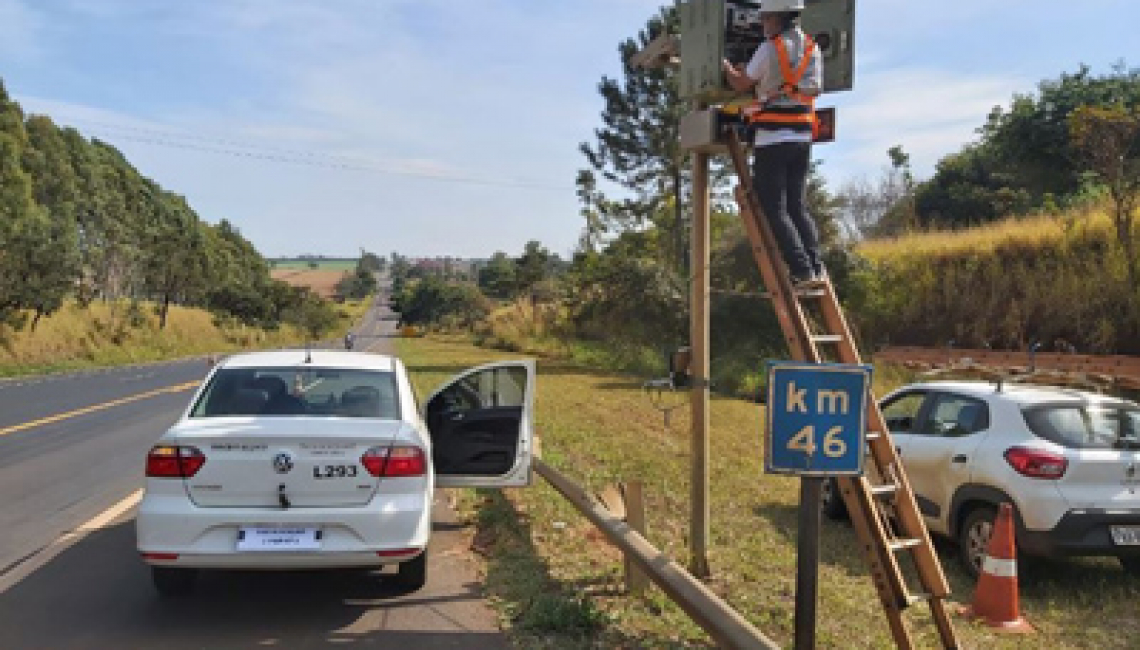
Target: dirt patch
x: 322, y: 282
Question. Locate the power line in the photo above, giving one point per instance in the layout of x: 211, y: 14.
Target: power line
x: 239, y: 149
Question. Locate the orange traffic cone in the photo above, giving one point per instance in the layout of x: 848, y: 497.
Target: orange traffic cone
x: 995, y: 598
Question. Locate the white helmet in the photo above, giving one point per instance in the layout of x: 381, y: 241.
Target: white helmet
x: 779, y: 6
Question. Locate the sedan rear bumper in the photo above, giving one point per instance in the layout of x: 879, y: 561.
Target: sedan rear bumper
x: 350, y: 537
x: 1080, y: 532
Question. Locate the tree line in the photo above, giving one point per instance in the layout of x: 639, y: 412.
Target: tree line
x: 78, y: 221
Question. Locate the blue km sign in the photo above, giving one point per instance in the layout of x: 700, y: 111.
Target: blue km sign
x: 817, y: 415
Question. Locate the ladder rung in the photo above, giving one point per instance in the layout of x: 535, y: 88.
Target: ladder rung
x: 827, y: 338
x: 901, y: 544
x: 917, y: 597
x: 810, y: 292
x: 883, y: 490
x: 873, y: 435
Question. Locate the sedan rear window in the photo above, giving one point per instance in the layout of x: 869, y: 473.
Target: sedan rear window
x: 299, y: 392
x: 1081, y: 426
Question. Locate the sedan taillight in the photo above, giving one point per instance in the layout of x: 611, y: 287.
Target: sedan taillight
x: 1036, y: 463
x: 174, y: 461
x: 395, y: 461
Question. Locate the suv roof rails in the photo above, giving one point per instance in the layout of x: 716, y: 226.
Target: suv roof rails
x: 1002, y: 376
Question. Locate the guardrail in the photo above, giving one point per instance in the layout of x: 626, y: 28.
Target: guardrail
x: 725, y: 625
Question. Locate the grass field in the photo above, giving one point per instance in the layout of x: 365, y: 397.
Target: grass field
x: 557, y: 584
x: 321, y: 281
x: 326, y: 264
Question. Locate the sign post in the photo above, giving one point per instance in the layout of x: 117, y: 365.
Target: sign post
x: 816, y: 428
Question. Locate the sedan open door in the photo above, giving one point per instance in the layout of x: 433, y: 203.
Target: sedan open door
x: 481, y: 425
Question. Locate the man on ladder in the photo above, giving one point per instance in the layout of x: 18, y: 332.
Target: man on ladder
x: 787, y: 73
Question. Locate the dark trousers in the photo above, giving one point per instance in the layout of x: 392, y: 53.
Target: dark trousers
x: 779, y: 177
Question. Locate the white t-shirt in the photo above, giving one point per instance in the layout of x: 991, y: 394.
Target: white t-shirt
x: 764, y: 69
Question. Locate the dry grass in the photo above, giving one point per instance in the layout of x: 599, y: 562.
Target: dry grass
x: 558, y: 585
x: 1036, y: 232
x: 321, y: 281
x: 105, y: 334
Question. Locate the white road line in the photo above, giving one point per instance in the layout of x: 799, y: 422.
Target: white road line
x: 68, y: 539
x: 110, y: 514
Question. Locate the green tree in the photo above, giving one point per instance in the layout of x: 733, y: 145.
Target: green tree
x: 357, y: 285
x: 497, y: 277
x: 638, y: 149
x: 535, y: 265
x: 55, y: 187
x: 434, y: 300
x: 1025, y: 158
x: 370, y: 262
x: 1108, y: 138
x: 24, y: 225
x: 173, y: 258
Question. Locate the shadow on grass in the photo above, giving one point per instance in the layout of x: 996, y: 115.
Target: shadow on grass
x: 545, y: 612
x: 838, y: 544
x: 1086, y: 601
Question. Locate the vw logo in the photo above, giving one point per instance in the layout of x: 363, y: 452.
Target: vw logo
x: 283, y: 462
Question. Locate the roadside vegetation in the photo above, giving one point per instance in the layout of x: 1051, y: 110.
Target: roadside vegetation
x: 557, y: 583
x: 79, y: 225
x: 117, y: 333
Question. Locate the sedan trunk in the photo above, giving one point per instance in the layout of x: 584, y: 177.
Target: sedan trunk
x: 284, y: 462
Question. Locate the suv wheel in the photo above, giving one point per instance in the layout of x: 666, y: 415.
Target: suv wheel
x: 412, y: 575
x: 974, y: 536
x: 831, y: 501
x: 1131, y: 565
x: 173, y: 583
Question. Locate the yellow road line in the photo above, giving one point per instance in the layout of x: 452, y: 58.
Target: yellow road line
x: 97, y: 407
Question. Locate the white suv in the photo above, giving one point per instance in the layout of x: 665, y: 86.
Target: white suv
x: 1067, y: 460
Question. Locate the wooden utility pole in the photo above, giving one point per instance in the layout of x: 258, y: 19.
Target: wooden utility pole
x: 699, y: 344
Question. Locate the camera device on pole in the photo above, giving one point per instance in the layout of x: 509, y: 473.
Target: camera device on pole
x: 716, y: 31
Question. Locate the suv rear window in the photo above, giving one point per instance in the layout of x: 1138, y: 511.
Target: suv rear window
x: 299, y: 392
x: 1083, y: 426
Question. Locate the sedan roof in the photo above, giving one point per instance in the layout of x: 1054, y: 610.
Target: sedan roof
x: 317, y: 358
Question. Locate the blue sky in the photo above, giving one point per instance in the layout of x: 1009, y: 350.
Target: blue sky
x: 440, y: 127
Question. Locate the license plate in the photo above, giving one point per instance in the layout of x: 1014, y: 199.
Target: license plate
x: 1125, y: 535
x: 278, y: 538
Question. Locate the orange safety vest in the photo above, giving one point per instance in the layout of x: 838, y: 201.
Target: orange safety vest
x: 794, y: 117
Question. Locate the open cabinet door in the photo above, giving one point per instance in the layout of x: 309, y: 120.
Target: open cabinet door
x: 481, y: 425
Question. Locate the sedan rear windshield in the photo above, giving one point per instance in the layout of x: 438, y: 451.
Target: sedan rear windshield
x: 299, y: 392
x: 1083, y: 426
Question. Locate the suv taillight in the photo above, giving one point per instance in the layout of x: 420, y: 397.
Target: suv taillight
x: 395, y: 461
x: 1036, y: 463
x: 174, y: 461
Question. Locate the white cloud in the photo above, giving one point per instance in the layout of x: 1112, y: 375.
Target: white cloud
x: 929, y: 112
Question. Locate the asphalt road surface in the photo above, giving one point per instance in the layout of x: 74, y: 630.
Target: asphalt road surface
x: 71, y: 469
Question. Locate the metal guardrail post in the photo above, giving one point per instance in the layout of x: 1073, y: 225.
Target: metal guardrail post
x: 725, y: 625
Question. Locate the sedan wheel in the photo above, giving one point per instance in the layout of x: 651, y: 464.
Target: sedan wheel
x: 974, y: 537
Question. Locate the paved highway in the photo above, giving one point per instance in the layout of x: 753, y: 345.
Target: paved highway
x: 71, y: 458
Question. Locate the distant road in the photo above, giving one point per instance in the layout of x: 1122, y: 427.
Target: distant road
x: 72, y: 449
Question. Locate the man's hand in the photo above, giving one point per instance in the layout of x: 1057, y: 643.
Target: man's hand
x: 737, y: 79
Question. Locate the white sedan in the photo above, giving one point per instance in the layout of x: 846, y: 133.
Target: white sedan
x: 300, y: 459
